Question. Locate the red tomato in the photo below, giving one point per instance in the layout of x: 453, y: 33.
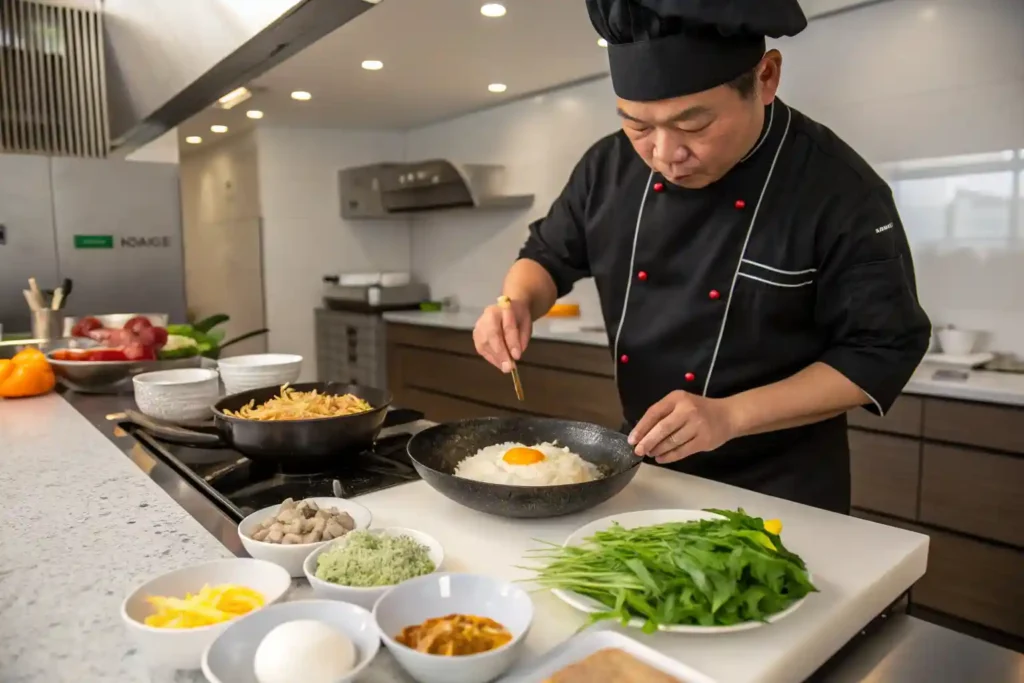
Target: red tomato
x: 153, y: 337
x: 137, y: 324
x: 106, y: 355
x: 84, y: 326
x: 70, y: 354
x: 138, y: 351
x: 160, y: 337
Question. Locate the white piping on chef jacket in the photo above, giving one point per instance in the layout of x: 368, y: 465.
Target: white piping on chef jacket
x: 780, y: 270
x: 629, y: 278
x: 743, y: 252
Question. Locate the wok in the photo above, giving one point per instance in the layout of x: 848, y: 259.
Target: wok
x: 437, y: 450
x: 295, y: 445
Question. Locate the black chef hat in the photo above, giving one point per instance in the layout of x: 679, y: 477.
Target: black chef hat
x: 659, y: 49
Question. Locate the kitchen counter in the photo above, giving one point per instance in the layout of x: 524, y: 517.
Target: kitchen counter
x: 987, y: 386
x: 84, y: 524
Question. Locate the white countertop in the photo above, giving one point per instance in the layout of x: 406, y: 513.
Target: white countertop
x: 860, y: 568
x: 982, y: 385
x: 563, y: 330
x: 82, y: 525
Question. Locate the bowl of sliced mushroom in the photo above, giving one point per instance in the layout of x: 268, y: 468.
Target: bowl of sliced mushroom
x: 285, y: 534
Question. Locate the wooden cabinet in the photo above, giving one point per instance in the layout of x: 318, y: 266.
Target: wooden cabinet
x: 438, y: 371
x: 974, y: 492
x: 975, y: 424
x: 953, y: 470
x: 905, y: 417
x: 884, y: 473
x: 974, y: 580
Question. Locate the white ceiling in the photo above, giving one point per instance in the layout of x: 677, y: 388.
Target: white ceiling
x: 439, y: 57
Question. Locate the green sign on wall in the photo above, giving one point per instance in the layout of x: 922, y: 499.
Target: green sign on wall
x: 94, y: 241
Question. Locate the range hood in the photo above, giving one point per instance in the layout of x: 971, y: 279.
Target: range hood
x: 388, y: 190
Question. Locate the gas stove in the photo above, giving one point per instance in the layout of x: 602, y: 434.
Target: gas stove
x: 240, y: 486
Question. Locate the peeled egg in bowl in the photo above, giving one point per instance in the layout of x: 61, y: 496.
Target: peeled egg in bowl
x: 304, y: 650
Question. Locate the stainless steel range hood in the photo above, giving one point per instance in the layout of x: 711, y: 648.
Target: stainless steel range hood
x: 167, y: 60
x: 388, y: 190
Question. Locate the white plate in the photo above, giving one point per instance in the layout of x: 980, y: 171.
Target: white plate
x: 632, y: 520
x: 587, y: 643
x: 972, y: 360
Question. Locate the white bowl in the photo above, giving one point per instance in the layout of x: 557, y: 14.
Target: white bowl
x: 437, y: 595
x: 365, y: 597
x: 184, y: 395
x: 292, y: 557
x: 244, y: 373
x: 957, y: 342
x: 183, y: 648
x: 230, y: 658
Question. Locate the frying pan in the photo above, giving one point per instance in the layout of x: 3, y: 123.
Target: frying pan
x: 295, y: 445
x: 437, y: 450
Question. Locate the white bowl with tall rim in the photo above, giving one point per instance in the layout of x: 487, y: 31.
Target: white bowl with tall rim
x: 182, y: 649
x: 259, y: 370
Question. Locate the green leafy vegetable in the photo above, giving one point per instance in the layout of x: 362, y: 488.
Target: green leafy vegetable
x: 707, y: 573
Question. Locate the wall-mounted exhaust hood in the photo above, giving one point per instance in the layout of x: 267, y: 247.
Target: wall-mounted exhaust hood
x: 390, y: 190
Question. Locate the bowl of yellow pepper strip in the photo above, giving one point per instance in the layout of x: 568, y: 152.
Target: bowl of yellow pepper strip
x: 173, y: 618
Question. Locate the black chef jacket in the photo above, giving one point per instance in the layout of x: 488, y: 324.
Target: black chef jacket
x: 797, y: 255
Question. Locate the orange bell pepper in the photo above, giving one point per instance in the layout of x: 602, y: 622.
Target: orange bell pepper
x: 27, y: 374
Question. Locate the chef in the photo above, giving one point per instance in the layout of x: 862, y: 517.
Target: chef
x: 754, y: 276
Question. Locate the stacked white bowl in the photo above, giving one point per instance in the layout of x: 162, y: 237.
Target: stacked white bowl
x: 184, y: 395
x: 259, y: 370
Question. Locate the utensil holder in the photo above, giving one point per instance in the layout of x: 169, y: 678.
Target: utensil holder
x: 46, y: 324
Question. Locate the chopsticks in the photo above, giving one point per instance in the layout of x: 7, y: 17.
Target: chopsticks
x: 504, y: 303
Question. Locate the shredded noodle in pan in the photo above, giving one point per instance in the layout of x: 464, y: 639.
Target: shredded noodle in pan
x: 301, y: 405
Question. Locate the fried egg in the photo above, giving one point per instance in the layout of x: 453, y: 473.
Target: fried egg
x: 517, y: 464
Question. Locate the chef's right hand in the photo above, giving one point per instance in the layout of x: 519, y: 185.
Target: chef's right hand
x: 502, y: 334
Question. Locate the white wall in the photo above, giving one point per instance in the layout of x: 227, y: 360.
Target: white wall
x: 163, y: 150
x: 223, y: 249
x: 539, y: 141
x: 899, y: 80
x: 304, y: 236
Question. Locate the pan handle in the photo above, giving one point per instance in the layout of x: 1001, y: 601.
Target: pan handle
x: 172, y: 433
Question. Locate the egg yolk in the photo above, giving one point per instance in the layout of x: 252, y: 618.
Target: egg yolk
x: 523, y: 456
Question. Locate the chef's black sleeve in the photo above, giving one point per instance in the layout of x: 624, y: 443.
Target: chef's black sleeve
x: 558, y: 242
x: 867, y: 300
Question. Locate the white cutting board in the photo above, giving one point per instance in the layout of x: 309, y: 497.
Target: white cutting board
x: 859, y: 566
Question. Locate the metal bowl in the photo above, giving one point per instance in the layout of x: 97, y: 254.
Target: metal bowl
x: 108, y: 377
x: 117, y: 320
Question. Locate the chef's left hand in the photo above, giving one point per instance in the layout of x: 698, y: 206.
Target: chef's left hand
x: 680, y: 425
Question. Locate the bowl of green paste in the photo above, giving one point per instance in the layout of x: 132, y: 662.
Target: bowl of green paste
x: 362, y: 565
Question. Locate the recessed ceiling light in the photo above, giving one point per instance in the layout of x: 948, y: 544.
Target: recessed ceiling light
x: 372, y: 64
x: 236, y: 96
x: 601, y: 42
x: 254, y: 114
x: 217, y: 128
x: 301, y: 95
x: 497, y: 87
x: 493, y: 10
x: 193, y: 139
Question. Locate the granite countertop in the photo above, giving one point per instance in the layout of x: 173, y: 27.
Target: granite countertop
x: 82, y: 526
x: 981, y: 385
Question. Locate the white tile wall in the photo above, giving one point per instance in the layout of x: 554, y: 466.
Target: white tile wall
x: 899, y: 80
x: 304, y: 236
